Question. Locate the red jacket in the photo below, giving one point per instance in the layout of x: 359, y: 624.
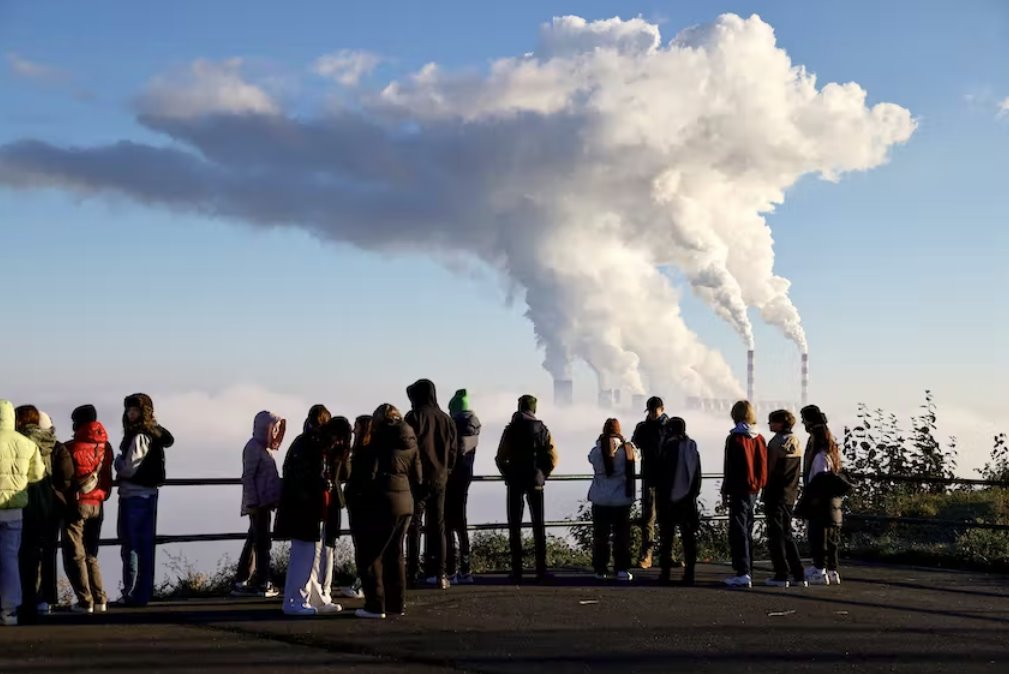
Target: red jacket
x: 90, y: 450
x: 745, y: 464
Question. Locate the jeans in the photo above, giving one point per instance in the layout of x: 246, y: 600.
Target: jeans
x: 741, y: 532
x: 10, y: 576
x: 137, y: 527
x: 612, y: 521
x: 382, y: 567
x: 648, y: 516
x: 40, y: 535
x: 781, y: 543
x: 516, y: 508
x: 456, y: 522
x: 80, y: 554
x: 254, y: 562
x: 823, y: 545
x: 433, y: 506
x: 684, y: 516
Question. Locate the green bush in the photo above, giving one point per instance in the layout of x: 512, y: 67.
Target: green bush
x: 490, y: 553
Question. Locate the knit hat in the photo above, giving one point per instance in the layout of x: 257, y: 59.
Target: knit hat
x: 527, y: 403
x: 45, y: 422
x: 85, y: 414
x: 459, y: 402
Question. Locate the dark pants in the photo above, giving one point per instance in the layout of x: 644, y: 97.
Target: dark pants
x: 680, y: 515
x: 517, y: 496
x: 254, y: 562
x: 380, y: 561
x: 610, y: 521
x: 648, y: 517
x: 40, y: 535
x: 80, y: 554
x: 741, y: 532
x: 456, y: 522
x: 781, y: 543
x: 823, y: 545
x: 137, y: 526
x: 428, y: 513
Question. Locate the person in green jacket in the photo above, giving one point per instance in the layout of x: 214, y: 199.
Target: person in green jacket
x: 20, y: 465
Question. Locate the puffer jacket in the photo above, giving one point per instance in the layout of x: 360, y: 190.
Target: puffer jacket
x: 261, y: 484
x: 526, y: 455
x: 20, y: 462
x: 90, y: 451
x: 387, y: 471
x: 617, y: 488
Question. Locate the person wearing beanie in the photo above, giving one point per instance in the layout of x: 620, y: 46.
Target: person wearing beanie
x: 526, y: 457
x: 647, y: 437
x: 467, y: 426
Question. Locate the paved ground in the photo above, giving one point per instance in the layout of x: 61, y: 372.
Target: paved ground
x: 880, y: 619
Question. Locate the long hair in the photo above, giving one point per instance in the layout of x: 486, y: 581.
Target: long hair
x: 146, y: 424
x: 362, y: 427
x: 611, y: 429
x: 25, y: 415
x: 385, y: 414
x: 823, y: 441
x: 742, y: 413
x: 318, y: 416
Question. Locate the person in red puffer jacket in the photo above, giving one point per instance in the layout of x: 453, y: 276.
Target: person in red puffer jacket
x: 92, y: 459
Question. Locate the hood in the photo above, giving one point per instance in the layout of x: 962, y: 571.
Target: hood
x: 263, y: 429
x: 459, y: 402
x: 659, y: 420
x: 44, y: 438
x: 745, y: 429
x: 93, y: 431
x: 6, y: 415
x: 422, y: 393
x: 519, y: 416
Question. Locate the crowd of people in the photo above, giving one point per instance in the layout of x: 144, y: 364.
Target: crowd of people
x: 401, y: 479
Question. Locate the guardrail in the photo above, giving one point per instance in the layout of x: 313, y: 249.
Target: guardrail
x: 167, y: 539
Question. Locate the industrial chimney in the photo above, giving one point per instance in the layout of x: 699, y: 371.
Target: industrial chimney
x: 805, y: 379
x: 563, y: 392
x: 605, y: 398
x: 749, y: 376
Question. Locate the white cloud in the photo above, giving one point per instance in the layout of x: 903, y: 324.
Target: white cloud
x: 205, y: 88
x: 347, y: 66
x: 1003, y: 107
x: 33, y: 70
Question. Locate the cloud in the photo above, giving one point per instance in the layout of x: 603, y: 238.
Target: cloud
x: 579, y: 173
x: 33, y: 70
x: 347, y: 66
x: 1003, y: 107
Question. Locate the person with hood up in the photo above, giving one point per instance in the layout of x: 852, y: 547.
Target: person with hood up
x: 745, y: 475
x: 784, y: 468
x: 140, y: 468
x: 526, y: 457
x: 467, y: 426
x: 91, y: 463
x: 260, y: 497
x: 677, y: 485
x: 647, y: 437
x: 387, y: 469
x: 20, y: 465
x: 309, y: 514
x: 823, y: 489
x: 438, y: 445
x: 612, y: 492
x: 42, y: 516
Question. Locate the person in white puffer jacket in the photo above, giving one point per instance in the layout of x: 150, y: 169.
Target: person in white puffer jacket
x: 613, y: 460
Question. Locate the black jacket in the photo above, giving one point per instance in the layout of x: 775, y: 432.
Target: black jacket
x: 526, y: 455
x: 307, y: 481
x: 467, y: 428
x: 436, y: 433
x: 647, y: 438
x: 386, y: 472
x: 151, y: 471
x: 664, y: 465
x: 821, y: 499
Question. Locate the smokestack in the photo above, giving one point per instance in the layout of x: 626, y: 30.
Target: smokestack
x: 749, y: 375
x: 805, y: 379
x: 616, y: 397
x: 638, y: 402
x: 605, y: 398
x: 563, y: 392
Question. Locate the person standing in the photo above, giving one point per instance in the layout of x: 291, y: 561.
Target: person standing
x: 140, y: 468
x: 784, y: 468
x: 387, y: 468
x: 467, y: 426
x: 526, y: 457
x: 821, y: 504
x: 260, y: 497
x: 677, y: 486
x: 647, y: 437
x: 612, y: 492
x: 745, y: 475
x: 436, y: 440
x: 20, y: 465
x: 91, y: 460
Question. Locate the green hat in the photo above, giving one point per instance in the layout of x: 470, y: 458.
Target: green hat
x: 459, y: 402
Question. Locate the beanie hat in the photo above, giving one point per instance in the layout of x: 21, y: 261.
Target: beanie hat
x: 45, y: 421
x: 527, y: 403
x: 85, y: 414
x: 459, y: 402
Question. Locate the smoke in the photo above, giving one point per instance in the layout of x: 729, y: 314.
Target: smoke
x: 579, y: 171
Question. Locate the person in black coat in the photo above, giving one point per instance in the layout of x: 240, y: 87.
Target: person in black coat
x: 386, y: 471
x: 438, y: 447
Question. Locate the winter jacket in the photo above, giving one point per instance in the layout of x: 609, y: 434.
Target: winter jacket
x: 387, y: 471
x: 90, y: 454
x: 617, y: 487
x: 745, y: 462
x: 43, y: 503
x: 261, y: 484
x: 526, y: 454
x: 467, y: 428
x: 20, y: 462
x: 821, y: 500
x: 308, y: 495
x: 436, y: 434
x: 677, y: 470
x: 647, y: 438
x: 784, y: 468
x: 140, y: 465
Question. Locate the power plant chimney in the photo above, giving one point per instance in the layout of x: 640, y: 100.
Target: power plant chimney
x: 805, y: 379
x: 616, y: 397
x: 564, y: 395
x: 605, y: 398
x: 749, y: 376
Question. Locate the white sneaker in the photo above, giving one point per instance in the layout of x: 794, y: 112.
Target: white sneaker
x: 361, y: 613
x: 301, y: 611
x: 9, y: 619
x: 329, y: 609
x: 102, y: 608
x: 739, y: 581
x: 351, y: 593
x: 83, y: 610
x: 625, y: 576
x: 43, y: 608
x: 834, y: 577
x: 815, y: 576
x: 774, y: 582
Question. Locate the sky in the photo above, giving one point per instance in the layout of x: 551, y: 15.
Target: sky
x: 897, y: 270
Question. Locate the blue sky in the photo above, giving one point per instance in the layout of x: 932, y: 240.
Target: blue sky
x: 898, y: 272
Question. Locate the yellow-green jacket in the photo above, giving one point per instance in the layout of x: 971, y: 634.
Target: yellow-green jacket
x: 20, y: 462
